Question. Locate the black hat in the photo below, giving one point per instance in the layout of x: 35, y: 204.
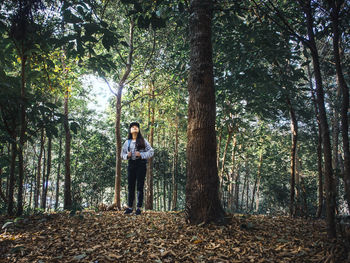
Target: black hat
x: 134, y: 123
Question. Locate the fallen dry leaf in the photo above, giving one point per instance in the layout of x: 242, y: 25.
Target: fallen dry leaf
x: 165, y: 237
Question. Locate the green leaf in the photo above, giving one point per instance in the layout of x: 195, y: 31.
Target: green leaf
x: 92, y: 28
x: 88, y: 39
x: 143, y: 22
x: 74, y: 127
x: 124, y: 43
x: 70, y: 18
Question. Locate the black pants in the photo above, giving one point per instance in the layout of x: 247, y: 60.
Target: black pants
x: 136, y: 174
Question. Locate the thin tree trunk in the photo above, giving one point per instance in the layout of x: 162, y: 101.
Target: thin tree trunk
x: 218, y: 148
x: 2, y: 195
x: 233, y: 172
x: 319, y: 148
x: 38, y: 176
x: 67, y: 177
x: 237, y: 182
x: 22, y: 136
x: 45, y: 186
x: 258, y: 192
x: 163, y: 172
x: 244, y: 185
x: 12, y: 179
x: 117, y: 186
x: 58, y: 173
x: 335, y: 10
x: 158, y: 202
x: 202, y: 186
x: 221, y: 174
x: 302, y: 191
x: 175, y: 167
x: 257, y: 182
x: 149, y: 175
x: 42, y: 201
x: 247, y: 192
x: 294, y: 131
x: 327, y: 149
x: 31, y: 191
x: 298, y: 206
x: 335, y: 145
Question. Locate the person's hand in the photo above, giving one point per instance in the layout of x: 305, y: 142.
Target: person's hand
x: 129, y: 154
x: 137, y: 154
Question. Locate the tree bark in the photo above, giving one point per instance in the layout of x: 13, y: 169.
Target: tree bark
x: 149, y: 175
x: 46, y: 182
x: 43, y: 181
x: 38, y: 175
x: 244, y: 185
x: 237, y: 183
x: 202, y: 186
x: 221, y: 174
x: 22, y: 136
x: 294, y: 131
x: 58, y: 173
x: 218, y: 149
x: 12, y: 178
x: 335, y: 10
x: 319, y: 148
x: 257, y: 182
x: 233, y: 168
x: 175, y: 167
x: 327, y: 149
x: 117, y: 186
x: 67, y: 177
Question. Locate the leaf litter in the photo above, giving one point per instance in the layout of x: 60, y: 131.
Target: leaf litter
x: 112, y: 236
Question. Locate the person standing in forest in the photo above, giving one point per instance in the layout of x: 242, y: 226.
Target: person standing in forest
x: 136, y: 150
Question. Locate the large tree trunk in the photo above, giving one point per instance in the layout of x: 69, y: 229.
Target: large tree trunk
x: 67, y: 205
x: 335, y: 9
x: 327, y: 149
x: 118, y: 170
x: 149, y: 175
x: 58, y: 173
x: 294, y: 131
x: 202, y: 186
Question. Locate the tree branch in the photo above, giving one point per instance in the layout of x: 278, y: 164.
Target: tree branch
x: 148, y: 60
x: 110, y: 88
x: 146, y: 94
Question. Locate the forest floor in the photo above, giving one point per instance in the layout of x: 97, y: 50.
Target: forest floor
x: 165, y: 237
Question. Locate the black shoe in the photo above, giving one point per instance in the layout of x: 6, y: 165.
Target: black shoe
x: 128, y: 211
x: 138, y: 211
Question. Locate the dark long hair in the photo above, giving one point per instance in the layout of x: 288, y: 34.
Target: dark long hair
x: 140, y: 141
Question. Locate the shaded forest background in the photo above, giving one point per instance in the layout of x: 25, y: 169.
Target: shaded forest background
x: 58, y: 153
